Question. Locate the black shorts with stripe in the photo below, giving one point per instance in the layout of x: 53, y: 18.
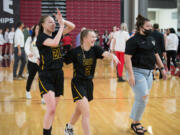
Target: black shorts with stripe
x: 51, y: 80
x: 81, y: 88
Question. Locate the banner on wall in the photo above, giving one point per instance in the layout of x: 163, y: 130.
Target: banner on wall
x: 9, y: 13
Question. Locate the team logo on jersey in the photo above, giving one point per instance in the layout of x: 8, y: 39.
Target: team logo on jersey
x: 87, y: 63
x: 153, y: 42
x: 56, y: 53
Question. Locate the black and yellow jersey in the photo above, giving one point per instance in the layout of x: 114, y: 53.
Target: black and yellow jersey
x: 84, y: 62
x: 50, y: 57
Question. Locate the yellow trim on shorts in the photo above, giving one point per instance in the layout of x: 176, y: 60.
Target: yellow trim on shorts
x: 42, y: 62
x: 43, y: 86
x: 75, y: 98
x: 78, y: 91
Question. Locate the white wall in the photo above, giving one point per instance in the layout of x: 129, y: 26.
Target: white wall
x: 164, y: 18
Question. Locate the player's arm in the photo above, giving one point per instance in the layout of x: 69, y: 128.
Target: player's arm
x: 55, y: 42
x: 111, y: 56
x: 69, y: 27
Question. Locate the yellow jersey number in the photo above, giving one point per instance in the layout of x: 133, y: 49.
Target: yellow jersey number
x: 56, y: 53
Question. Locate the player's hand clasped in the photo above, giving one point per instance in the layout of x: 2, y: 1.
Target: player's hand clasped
x: 59, y: 18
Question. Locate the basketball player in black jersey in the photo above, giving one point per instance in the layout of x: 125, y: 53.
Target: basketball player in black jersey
x: 84, y: 60
x: 51, y: 76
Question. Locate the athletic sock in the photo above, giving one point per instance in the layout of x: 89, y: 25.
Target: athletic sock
x: 47, y: 131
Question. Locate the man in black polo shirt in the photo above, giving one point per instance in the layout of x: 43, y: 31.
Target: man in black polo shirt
x: 160, y: 45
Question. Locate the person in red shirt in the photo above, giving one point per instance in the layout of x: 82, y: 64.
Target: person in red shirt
x: 67, y: 43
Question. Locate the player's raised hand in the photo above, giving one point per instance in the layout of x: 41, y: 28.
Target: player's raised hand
x: 59, y: 18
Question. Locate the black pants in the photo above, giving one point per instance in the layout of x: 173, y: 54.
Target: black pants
x: 66, y: 49
x: 17, y: 58
x: 161, y: 57
x: 106, y: 47
x: 171, y: 54
x: 32, y: 69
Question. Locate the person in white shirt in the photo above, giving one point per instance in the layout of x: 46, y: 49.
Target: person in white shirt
x: 11, y: 39
x: 6, y: 45
x: 32, y: 53
x: 19, y: 53
x: 118, y: 46
x: 6, y: 32
x: 111, y: 36
x: 2, y: 42
x: 171, y: 49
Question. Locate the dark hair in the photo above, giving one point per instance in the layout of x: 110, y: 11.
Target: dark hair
x: 140, y: 21
x: 33, y: 31
x: 19, y: 24
x: 84, y: 33
x: 113, y: 27
x: 41, y: 21
x: 3, y: 32
x: 171, y: 30
x: 156, y: 26
x: 106, y: 31
x: 178, y: 29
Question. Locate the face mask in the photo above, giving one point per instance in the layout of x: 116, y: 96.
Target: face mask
x: 147, y: 32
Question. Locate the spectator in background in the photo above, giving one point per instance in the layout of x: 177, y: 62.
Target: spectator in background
x: 26, y: 33
x: 67, y: 43
x: 32, y: 53
x: 11, y: 40
x: 2, y: 42
x: 171, y: 49
x: 118, y: 46
x: 160, y: 45
x: 78, y: 37
x: 19, y: 53
x: 105, y: 38
x: 178, y: 32
x: 97, y: 42
x: 178, y: 51
x: 111, y: 36
x: 6, y: 45
x: 31, y: 30
x: 133, y: 33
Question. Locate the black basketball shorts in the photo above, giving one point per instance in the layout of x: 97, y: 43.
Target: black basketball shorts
x: 51, y: 80
x: 82, y: 88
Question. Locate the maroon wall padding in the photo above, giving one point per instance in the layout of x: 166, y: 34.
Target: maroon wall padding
x: 30, y: 11
x: 93, y: 14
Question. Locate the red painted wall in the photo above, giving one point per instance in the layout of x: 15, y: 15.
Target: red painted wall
x: 30, y: 11
x: 93, y: 14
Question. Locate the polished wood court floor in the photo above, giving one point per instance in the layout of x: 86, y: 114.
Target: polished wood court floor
x: 109, y: 110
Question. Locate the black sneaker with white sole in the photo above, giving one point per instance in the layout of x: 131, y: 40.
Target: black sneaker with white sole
x: 68, y: 131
